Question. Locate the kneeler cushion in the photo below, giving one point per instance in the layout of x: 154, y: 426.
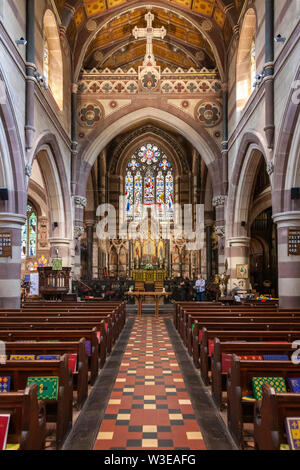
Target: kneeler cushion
x: 278, y: 383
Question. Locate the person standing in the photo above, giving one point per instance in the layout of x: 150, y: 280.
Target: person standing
x: 200, y: 289
x: 184, y: 288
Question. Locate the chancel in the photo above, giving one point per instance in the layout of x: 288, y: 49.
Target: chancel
x: 149, y: 227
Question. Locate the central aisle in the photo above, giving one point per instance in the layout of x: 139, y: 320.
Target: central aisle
x: 149, y: 407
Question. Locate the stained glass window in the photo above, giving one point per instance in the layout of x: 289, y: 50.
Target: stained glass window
x: 149, y: 181
x: 29, y: 234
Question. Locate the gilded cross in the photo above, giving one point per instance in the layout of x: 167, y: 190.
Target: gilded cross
x: 149, y: 33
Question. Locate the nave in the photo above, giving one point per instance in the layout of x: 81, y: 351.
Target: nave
x: 149, y: 397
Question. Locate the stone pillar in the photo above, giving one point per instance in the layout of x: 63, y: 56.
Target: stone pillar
x: 67, y: 15
x: 269, y: 74
x: 90, y: 248
x: 80, y: 203
x: 288, y: 265
x: 74, y: 139
x: 225, y: 139
x: 239, y: 250
x: 30, y: 72
x: 208, y: 231
x: 61, y: 248
x: 219, y: 204
x: 10, y: 268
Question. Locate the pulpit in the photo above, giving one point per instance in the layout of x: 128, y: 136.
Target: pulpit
x: 54, y: 285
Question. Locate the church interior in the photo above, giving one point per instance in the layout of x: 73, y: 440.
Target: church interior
x: 149, y: 225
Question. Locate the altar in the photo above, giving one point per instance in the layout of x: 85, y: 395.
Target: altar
x: 151, y: 276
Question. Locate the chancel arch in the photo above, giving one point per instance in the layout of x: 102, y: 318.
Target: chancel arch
x: 199, y: 138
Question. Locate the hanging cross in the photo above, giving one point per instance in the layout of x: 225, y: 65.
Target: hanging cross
x: 149, y: 33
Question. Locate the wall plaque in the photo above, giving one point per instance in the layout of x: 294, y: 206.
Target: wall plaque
x: 294, y: 241
x: 5, y: 244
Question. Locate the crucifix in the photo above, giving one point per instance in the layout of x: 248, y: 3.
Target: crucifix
x: 149, y: 33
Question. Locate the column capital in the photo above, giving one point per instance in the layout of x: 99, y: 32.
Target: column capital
x: 219, y: 201
x: 285, y: 219
x: 80, y: 202
x: 7, y: 218
x: 78, y: 232
x: 220, y: 231
x: 239, y: 241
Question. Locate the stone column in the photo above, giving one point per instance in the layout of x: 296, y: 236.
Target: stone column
x: 239, y: 250
x: 30, y: 72
x: 10, y: 268
x: 61, y: 248
x: 67, y: 15
x: 74, y: 139
x: 208, y: 231
x: 90, y: 247
x: 269, y: 73
x: 288, y: 265
x: 80, y: 203
x: 225, y: 139
x: 219, y: 204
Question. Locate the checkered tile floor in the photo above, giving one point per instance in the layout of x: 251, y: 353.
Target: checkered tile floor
x: 149, y: 407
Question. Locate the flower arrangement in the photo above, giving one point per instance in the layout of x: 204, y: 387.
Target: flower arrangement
x: 149, y: 267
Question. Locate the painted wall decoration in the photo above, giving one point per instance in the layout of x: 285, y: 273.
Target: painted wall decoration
x: 90, y: 115
x: 209, y: 114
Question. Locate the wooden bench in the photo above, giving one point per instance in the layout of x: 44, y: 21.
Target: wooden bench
x: 219, y: 377
x: 60, y: 411
x: 27, y: 418
x: 52, y: 349
x: 60, y: 335
x: 237, y: 335
x: 244, y: 319
x: 239, y: 384
x: 269, y: 417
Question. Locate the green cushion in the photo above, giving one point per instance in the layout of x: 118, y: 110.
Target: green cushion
x: 278, y: 383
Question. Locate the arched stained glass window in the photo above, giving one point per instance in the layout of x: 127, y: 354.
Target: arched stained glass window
x: 29, y: 234
x: 151, y: 175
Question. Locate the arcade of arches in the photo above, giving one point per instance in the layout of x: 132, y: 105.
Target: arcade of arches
x: 116, y: 116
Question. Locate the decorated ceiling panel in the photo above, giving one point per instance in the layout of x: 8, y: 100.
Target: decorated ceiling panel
x: 86, y: 9
x: 184, y: 45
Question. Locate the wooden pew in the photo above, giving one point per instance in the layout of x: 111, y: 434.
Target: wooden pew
x: 40, y: 322
x: 42, y: 349
x: 209, y: 321
x: 239, y: 385
x: 59, y: 412
x: 269, y: 416
x: 201, y: 354
x: 218, y: 378
x: 60, y: 335
x: 28, y: 418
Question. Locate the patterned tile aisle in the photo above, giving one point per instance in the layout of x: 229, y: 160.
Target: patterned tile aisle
x: 149, y: 407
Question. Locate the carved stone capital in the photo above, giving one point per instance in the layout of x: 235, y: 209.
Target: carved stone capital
x: 28, y: 170
x: 80, y: 202
x: 270, y: 168
x: 78, y: 231
x: 219, y: 201
x: 220, y: 231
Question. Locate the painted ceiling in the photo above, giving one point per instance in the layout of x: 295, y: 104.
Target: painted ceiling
x: 119, y: 17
